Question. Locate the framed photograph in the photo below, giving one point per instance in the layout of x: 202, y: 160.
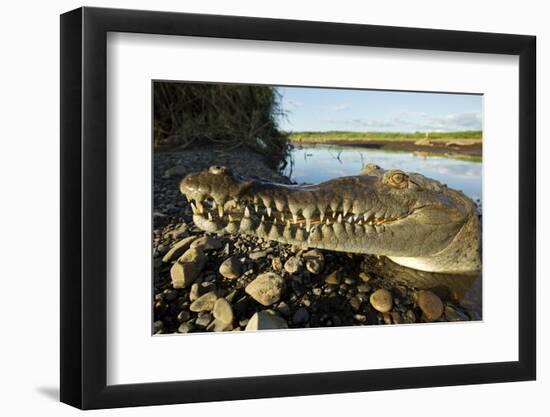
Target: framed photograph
x: 258, y: 208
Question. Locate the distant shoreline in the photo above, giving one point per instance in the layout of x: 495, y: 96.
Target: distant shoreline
x: 466, y: 147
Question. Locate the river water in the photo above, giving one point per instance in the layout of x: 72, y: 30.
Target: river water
x: 317, y: 163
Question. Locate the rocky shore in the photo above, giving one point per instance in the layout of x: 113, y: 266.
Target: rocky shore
x: 205, y: 282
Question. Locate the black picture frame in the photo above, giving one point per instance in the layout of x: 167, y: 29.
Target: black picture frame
x: 84, y: 207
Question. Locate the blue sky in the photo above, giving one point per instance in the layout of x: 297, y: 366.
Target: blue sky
x: 322, y: 109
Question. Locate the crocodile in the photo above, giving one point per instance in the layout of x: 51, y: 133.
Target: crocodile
x: 415, y: 221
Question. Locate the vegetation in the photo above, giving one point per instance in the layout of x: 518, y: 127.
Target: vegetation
x: 339, y: 136
x: 227, y: 115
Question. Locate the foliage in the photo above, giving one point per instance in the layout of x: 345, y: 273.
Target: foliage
x: 228, y: 115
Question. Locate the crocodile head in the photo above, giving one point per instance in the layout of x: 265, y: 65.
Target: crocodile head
x: 415, y: 221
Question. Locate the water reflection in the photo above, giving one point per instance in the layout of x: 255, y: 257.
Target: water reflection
x: 318, y: 163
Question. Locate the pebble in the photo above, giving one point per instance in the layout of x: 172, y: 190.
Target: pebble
x: 195, y: 292
x: 355, y: 303
x: 363, y: 288
x: 277, y: 264
x: 157, y: 327
x: 204, y: 303
x: 300, y: 316
x: 315, y: 261
x: 187, y: 268
x: 266, y: 289
x: 381, y: 300
x: 266, y: 320
x: 207, y: 243
x: 333, y: 278
x: 231, y: 268
x: 430, y: 304
x: 257, y: 255
x: 292, y: 265
x: 203, y: 320
x: 222, y: 311
x: 178, y: 249
x: 185, y: 328
x: 283, y: 308
x: 183, y: 315
x: 364, y: 277
x: 177, y: 232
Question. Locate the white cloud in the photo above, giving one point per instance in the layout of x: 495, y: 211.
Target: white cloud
x: 413, y: 121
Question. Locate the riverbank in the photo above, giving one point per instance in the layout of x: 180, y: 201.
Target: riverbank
x: 220, y: 290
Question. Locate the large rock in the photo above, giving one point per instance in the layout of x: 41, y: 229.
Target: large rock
x: 222, y: 311
x: 381, y: 300
x: 266, y: 320
x: 231, y: 268
x: 187, y: 268
x: 266, y: 289
x: 430, y: 304
x: 178, y: 249
x: 205, y: 302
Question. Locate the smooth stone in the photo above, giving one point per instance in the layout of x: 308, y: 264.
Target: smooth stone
x: 333, y: 278
x: 364, y: 277
x: 185, y: 328
x: 223, y: 311
x: 283, y: 308
x: 207, y: 243
x: 187, y: 268
x: 231, y: 268
x: 355, y: 303
x: 183, y: 315
x: 158, y: 326
x: 266, y: 289
x: 178, y: 249
x: 363, y: 288
x: 315, y: 261
x: 257, y: 255
x: 292, y: 264
x: 203, y: 320
x: 219, y: 326
x: 177, y: 232
x: 266, y: 320
x: 381, y: 300
x: 277, y: 264
x: 204, y: 303
x: 430, y: 304
x: 195, y: 292
x: 300, y: 316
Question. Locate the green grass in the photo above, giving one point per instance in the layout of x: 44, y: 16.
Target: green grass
x: 226, y: 115
x: 339, y: 136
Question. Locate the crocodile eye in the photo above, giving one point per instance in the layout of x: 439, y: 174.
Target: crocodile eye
x: 398, y: 179
x: 217, y: 169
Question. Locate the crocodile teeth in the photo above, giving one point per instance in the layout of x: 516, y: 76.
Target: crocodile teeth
x: 230, y: 217
x: 246, y: 212
x: 268, y: 211
x: 210, y: 216
x: 200, y: 207
x: 340, y: 218
x: 294, y: 217
x: 308, y: 224
x: 194, y: 208
x: 220, y: 210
